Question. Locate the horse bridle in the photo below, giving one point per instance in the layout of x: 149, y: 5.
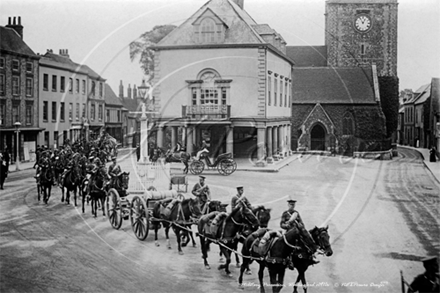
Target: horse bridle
x: 319, y: 242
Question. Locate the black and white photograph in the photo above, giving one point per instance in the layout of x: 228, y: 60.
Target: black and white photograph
x: 219, y: 146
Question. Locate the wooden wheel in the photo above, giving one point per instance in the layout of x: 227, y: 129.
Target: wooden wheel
x: 227, y: 167
x: 139, y: 218
x: 113, y: 208
x: 197, y: 167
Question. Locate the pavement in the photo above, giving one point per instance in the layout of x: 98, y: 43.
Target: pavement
x: 245, y: 164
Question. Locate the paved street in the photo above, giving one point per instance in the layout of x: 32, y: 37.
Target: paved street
x: 382, y: 217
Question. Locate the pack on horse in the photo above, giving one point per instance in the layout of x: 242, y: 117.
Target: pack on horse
x: 226, y: 234
x: 263, y: 216
x: 45, y: 180
x: 176, y: 214
x: 276, y: 258
x: 301, y: 262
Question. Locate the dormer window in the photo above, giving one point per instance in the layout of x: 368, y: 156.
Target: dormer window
x: 209, y: 28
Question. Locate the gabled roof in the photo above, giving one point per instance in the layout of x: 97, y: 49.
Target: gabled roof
x: 327, y: 85
x: 110, y: 97
x: 236, y: 19
x: 10, y: 41
x: 64, y: 62
x: 308, y: 56
x: 423, y: 96
x: 417, y: 94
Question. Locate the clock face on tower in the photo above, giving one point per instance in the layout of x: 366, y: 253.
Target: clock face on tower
x: 362, y: 23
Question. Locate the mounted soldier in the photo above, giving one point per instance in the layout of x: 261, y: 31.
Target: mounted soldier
x: 202, y: 192
x: 240, y: 198
x: 99, y: 172
x: 114, y: 170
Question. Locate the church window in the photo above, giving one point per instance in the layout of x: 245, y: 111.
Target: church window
x: 347, y: 125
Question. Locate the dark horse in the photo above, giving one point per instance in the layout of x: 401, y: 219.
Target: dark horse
x: 97, y: 192
x: 235, y: 222
x: 45, y: 182
x: 322, y: 239
x: 263, y: 216
x: 276, y: 259
x: 177, y: 157
x: 70, y: 182
x: 180, y: 217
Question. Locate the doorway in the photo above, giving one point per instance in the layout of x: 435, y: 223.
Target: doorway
x: 317, y: 138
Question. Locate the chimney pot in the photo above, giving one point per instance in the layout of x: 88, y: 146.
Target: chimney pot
x: 9, y: 20
x: 19, y: 20
x: 14, y: 20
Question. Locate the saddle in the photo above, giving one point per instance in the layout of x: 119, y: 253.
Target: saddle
x: 260, y: 245
x: 166, y: 206
x: 211, y: 222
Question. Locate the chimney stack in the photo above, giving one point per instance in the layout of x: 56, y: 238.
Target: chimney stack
x: 134, y: 92
x: 17, y: 27
x: 129, y: 91
x: 64, y: 53
x: 121, y: 90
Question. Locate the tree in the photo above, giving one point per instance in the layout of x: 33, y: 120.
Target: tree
x: 142, y: 47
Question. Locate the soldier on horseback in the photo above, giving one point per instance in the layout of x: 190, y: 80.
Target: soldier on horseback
x: 114, y: 170
x: 291, y: 219
x: 202, y: 192
x: 99, y: 172
x: 240, y: 198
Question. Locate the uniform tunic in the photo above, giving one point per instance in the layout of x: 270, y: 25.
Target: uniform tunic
x: 240, y: 198
x: 203, y: 195
x: 285, y: 217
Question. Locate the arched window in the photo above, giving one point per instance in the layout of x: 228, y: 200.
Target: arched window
x: 347, y: 124
x: 208, y: 31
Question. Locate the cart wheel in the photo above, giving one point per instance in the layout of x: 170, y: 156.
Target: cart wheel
x: 139, y: 218
x: 197, y: 167
x: 227, y: 167
x: 113, y: 208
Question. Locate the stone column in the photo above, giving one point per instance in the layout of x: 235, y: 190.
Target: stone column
x: 289, y: 139
x: 144, y: 140
x: 269, y: 145
x: 189, y: 139
x: 261, y: 141
x: 281, y: 139
x: 160, y: 136
x: 275, y: 139
x: 173, y: 137
x: 230, y: 139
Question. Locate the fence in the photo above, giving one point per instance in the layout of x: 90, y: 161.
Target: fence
x: 150, y: 174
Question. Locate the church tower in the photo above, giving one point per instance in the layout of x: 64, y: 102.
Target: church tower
x: 362, y: 32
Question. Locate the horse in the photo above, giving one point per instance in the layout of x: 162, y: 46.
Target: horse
x: 226, y: 237
x: 70, y: 182
x: 120, y: 183
x: 46, y: 181
x: 180, y: 216
x: 277, y: 258
x: 177, y: 157
x: 263, y: 216
x: 97, y: 192
x: 322, y: 239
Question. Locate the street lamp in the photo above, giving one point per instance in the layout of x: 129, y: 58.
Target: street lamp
x: 143, y: 90
x: 17, y: 157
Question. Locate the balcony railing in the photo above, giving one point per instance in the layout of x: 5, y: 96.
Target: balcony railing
x: 210, y: 112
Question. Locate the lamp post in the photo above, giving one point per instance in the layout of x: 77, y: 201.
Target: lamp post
x: 17, y: 156
x: 143, y: 90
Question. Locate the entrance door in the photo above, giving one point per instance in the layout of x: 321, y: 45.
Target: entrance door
x: 318, y: 138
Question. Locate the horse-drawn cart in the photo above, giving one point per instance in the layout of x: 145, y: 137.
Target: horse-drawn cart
x: 139, y: 210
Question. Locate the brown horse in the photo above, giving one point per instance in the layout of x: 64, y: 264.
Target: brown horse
x: 276, y: 259
x: 176, y: 157
x: 322, y: 239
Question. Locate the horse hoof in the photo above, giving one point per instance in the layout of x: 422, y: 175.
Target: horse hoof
x: 229, y: 275
x: 221, y: 259
x: 169, y: 247
x: 195, y: 245
x: 240, y: 286
x: 221, y: 267
x: 248, y: 272
x: 181, y: 253
x: 207, y: 267
x: 157, y: 243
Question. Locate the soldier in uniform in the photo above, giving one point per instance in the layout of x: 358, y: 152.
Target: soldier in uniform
x: 240, y: 198
x: 114, y: 170
x: 429, y: 280
x: 202, y: 192
x: 291, y: 219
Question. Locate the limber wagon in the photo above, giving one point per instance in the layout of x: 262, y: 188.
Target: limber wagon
x: 139, y: 210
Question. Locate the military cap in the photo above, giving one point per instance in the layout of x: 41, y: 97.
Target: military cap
x: 290, y: 199
x: 239, y: 186
x: 202, y: 177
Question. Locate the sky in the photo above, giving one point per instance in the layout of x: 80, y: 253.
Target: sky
x: 98, y: 32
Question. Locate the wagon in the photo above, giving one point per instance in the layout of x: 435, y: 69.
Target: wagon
x: 139, y: 210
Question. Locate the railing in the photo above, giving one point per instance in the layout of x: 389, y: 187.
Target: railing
x: 208, y: 111
x: 150, y: 174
